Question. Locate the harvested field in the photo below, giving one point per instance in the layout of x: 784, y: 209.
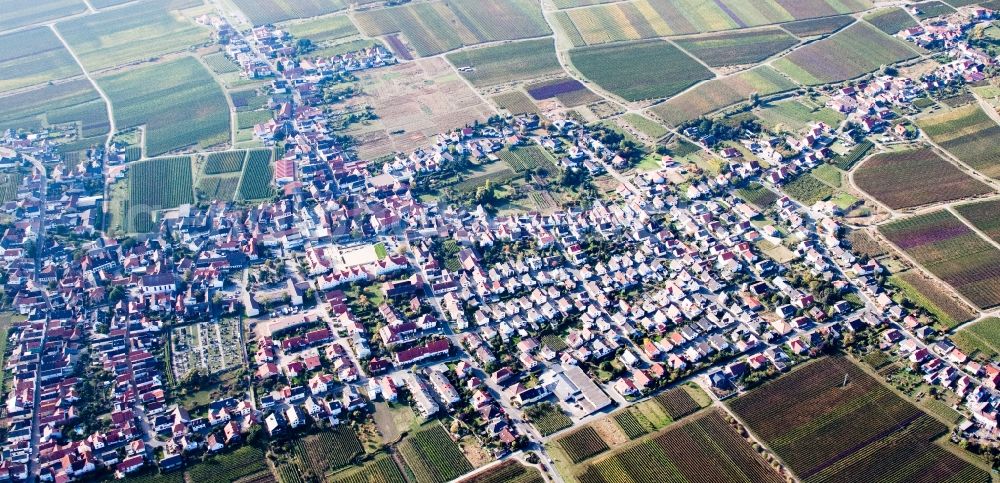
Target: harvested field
x: 985, y: 216
x: 891, y: 20
x: 433, y: 456
x: 639, y: 70
x: 850, y: 53
x: 906, y: 179
x: 969, y: 134
x: 953, y: 252
x: 569, y: 92
x: 722, y: 92
x: 492, y: 65
x: 981, y: 338
x: 738, y: 48
x: 706, y: 449
x: 178, y: 101
x: 33, y: 57
x: 827, y: 431
x: 939, y: 301
x: 131, y: 33
x: 818, y: 26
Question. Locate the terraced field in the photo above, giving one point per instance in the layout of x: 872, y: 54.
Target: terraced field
x: 639, y: 70
x: 953, y: 252
x: 850, y: 53
x: 131, y: 33
x: 178, y: 101
x: 969, y: 134
x: 723, y: 92
x: 33, y: 57
x: 492, y: 65
x: 906, y: 179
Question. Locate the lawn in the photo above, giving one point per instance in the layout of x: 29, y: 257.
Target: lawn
x: 33, y: 57
x: 850, y: 53
x: 137, y: 32
x: 639, y: 70
x: 491, y: 65
x: 178, y: 101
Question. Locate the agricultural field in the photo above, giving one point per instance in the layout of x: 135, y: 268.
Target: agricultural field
x: 677, y: 402
x: 969, y: 134
x: 949, y: 249
x: 738, y: 48
x: 220, y: 64
x: 928, y: 294
x: 891, y: 20
x: 643, y: 418
x: 510, y: 471
x: 379, y: 470
x: 131, y: 33
x: 33, y: 57
x: 525, y: 158
x: 437, y: 27
x: 273, y: 11
x: 818, y: 26
x: 639, y: 70
x: 329, y: 450
x: 323, y: 29
x: 932, y: 8
x: 148, y: 193
x: 757, y: 195
x: 228, y: 467
x: 850, y: 53
x: 828, y: 174
x: 981, y: 338
x: 723, y: 92
x: 807, y: 190
x: 18, y: 13
x: 548, y: 418
x: 249, y: 119
x: 569, y: 92
x: 178, y: 101
x: 9, y: 183
x: 224, y: 162
x: 257, y: 175
x: 582, y: 444
x: 71, y: 101
x: 705, y: 449
x: 414, y: 102
x: 797, y: 114
x: 221, y: 187
x: 433, y: 456
x: 516, y: 102
x: 985, y: 216
x: 825, y: 430
x: 492, y: 65
x: 857, y: 153
x: 906, y: 179
x: 645, y: 125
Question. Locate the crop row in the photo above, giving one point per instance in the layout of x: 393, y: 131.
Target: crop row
x: 528, y: 158
x: 677, y: 403
x: 328, y: 450
x: 905, y: 179
x: 433, y: 456
x: 224, y: 162
x: 582, y: 444
x: 257, y: 176
x: 228, y: 467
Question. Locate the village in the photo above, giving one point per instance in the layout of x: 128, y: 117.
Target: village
x: 230, y: 323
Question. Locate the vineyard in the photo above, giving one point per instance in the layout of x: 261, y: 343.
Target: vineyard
x: 569, y: 92
x: 257, y: 176
x: 969, y: 134
x: 818, y: 26
x: 509, y: 471
x: 738, y: 48
x: 891, y: 20
x: 757, y: 195
x: 631, y: 424
x: 529, y: 158
x: 8, y: 186
x: 639, y: 70
x: 289, y: 473
x: 706, y: 449
x: 953, y: 252
x: 516, y: 102
x: 985, y: 216
x: 982, y: 337
x: 548, y: 418
x: 582, y: 444
x: 147, y: 191
x: 491, y: 65
x: 220, y: 64
x: 677, y: 402
x: 433, y: 456
x: 722, y: 92
x: 906, y: 179
x: 218, y: 187
x: 229, y: 467
x: 850, y: 53
x: 380, y: 470
x: 929, y: 294
x: 33, y: 57
x: 847, y: 161
x: 808, y: 190
x: 329, y: 450
x: 74, y: 100
x: 825, y: 430
x: 224, y: 162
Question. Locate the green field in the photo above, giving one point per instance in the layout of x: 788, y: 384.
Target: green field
x: 722, y: 92
x: 220, y: 64
x: 828, y: 174
x: 982, y: 336
x: 131, y: 33
x: 850, y: 53
x: 797, y: 114
x: 737, y: 48
x: 322, y: 29
x: 147, y: 191
x: 645, y: 125
x: 224, y: 162
x: 436, y: 27
x: 807, y: 189
x: 639, y: 70
x: 432, y: 456
x: 492, y: 65
x: 272, y: 11
x: 818, y: 26
x: 75, y: 100
x: 891, y: 20
x: 969, y: 134
x: 18, y: 13
x: 33, y: 57
x: 178, y: 101
x: 257, y: 176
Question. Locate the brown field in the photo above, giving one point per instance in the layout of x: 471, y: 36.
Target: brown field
x: 414, y: 101
x: 907, y: 179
